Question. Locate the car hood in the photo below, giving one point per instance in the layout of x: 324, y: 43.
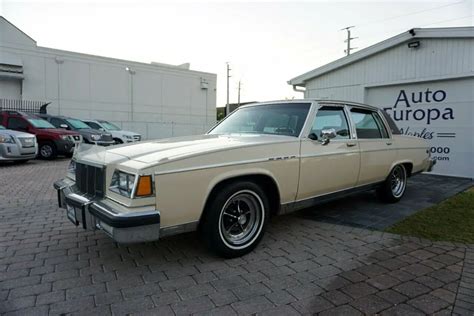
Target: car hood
x: 171, y: 149
x: 90, y: 131
x: 57, y: 131
x: 15, y: 133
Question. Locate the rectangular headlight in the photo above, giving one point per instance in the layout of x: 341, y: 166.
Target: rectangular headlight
x: 122, y: 183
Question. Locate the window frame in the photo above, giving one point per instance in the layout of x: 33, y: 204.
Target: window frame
x: 343, y: 107
x: 372, y: 112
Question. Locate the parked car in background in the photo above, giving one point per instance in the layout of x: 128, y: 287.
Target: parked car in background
x: 89, y: 135
x: 17, y: 146
x: 120, y: 136
x: 51, y: 140
x: 261, y: 160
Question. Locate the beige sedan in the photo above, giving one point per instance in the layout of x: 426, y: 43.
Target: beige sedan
x: 263, y: 160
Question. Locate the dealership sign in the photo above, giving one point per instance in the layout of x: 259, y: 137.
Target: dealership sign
x: 439, y: 112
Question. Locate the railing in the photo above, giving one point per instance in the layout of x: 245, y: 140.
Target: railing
x: 28, y: 106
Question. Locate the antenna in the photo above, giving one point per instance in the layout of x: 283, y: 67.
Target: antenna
x: 348, y: 40
x: 227, y: 107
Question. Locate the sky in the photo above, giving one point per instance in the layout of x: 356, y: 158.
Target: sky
x: 266, y: 42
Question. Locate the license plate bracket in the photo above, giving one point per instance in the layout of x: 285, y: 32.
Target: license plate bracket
x: 71, y: 214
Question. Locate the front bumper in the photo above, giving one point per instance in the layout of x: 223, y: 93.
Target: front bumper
x: 12, y: 152
x: 64, y: 147
x: 431, y: 164
x: 122, y: 226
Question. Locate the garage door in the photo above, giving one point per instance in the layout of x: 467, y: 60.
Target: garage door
x: 10, y: 89
x: 440, y: 112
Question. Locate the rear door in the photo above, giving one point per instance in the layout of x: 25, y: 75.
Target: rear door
x: 331, y: 167
x: 377, y: 149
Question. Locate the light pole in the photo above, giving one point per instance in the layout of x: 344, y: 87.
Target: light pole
x: 132, y: 73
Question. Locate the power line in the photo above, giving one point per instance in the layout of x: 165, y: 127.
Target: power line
x: 409, y: 14
x: 461, y: 18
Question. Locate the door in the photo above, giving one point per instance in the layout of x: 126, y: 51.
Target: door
x: 331, y: 167
x: 377, y: 151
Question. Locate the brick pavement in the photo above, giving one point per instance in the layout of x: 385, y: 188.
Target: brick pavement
x: 48, y: 266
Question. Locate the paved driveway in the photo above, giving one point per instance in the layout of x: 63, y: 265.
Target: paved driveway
x: 301, y: 267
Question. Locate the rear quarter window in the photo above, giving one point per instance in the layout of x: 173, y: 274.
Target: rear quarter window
x: 391, y: 123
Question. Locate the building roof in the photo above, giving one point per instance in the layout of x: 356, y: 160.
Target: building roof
x: 416, y: 33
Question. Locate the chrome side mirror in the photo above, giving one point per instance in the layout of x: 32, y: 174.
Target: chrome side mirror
x: 327, y: 135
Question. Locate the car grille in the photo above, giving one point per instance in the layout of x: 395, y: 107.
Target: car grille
x: 137, y: 138
x: 27, y: 142
x: 90, y: 179
x: 106, y: 137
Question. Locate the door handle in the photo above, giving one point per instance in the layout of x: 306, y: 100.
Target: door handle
x: 351, y: 144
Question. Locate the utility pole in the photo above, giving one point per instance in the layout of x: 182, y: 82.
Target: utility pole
x: 238, y: 98
x: 227, y: 106
x: 348, y: 40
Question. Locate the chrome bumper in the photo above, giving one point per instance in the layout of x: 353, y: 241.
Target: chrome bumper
x: 93, y: 214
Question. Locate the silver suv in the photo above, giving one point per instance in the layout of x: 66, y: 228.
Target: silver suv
x: 17, y: 146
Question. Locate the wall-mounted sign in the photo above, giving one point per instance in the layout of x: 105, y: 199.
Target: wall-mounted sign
x: 441, y: 112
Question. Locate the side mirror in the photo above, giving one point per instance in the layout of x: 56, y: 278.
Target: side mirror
x: 63, y: 126
x: 327, y: 135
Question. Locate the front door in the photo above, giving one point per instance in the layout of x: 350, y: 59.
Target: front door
x: 331, y: 167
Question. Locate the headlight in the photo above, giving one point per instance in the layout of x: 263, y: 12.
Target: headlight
x: 127, y: 136
x: 95, y: 136
x: 122, y: 183
x: 64, y: 137
x: 72, y: 167
x: 6, y: 139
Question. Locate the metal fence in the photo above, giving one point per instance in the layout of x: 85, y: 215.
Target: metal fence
x: 28, y: 106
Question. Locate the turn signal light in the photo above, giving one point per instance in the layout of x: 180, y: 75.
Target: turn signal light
x: 145, y: 186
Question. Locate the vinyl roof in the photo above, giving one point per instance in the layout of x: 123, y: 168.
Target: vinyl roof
x: 448, y: 32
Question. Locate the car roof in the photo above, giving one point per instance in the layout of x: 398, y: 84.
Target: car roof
x: 322, y: 101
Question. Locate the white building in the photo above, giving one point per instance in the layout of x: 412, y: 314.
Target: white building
x: 423, y: 78
x: 157, y: 100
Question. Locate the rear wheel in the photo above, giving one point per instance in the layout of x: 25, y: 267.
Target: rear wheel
x: 235, y: 219
x: 393, y: 188
x: 47, y: 150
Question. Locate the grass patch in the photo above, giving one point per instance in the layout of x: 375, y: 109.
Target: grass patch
x: 451, y: 220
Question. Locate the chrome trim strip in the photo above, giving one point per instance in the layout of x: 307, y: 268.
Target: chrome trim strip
x: 244, y: 162
x: 329, y: 154
x: 333, y: 192
x: 178, y: 229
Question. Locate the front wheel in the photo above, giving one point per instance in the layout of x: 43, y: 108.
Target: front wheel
x: 393, y: 188
x: 235, y: 219
x: 47, y: 150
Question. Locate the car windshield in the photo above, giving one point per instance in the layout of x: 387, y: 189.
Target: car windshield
x: 77, y: 124
x: 40, y: 123
x: 109, y: 126
x: 277, y: 119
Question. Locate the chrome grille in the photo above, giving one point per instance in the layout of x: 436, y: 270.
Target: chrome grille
x: 27, y: 142
x: 90, y: 179
x: 106, y: 137
x: 137, y: 138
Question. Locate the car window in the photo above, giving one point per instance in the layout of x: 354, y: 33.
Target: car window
x: 40, y: 123
x: 277, y: 119
x: 17, y: 123
x: 93, y: 125
x: 368, y: 124
x: 77, y: 124
x: 391, y: 123
x: 331, y: 117
x: 57, y: 122
x: 109, y: 126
